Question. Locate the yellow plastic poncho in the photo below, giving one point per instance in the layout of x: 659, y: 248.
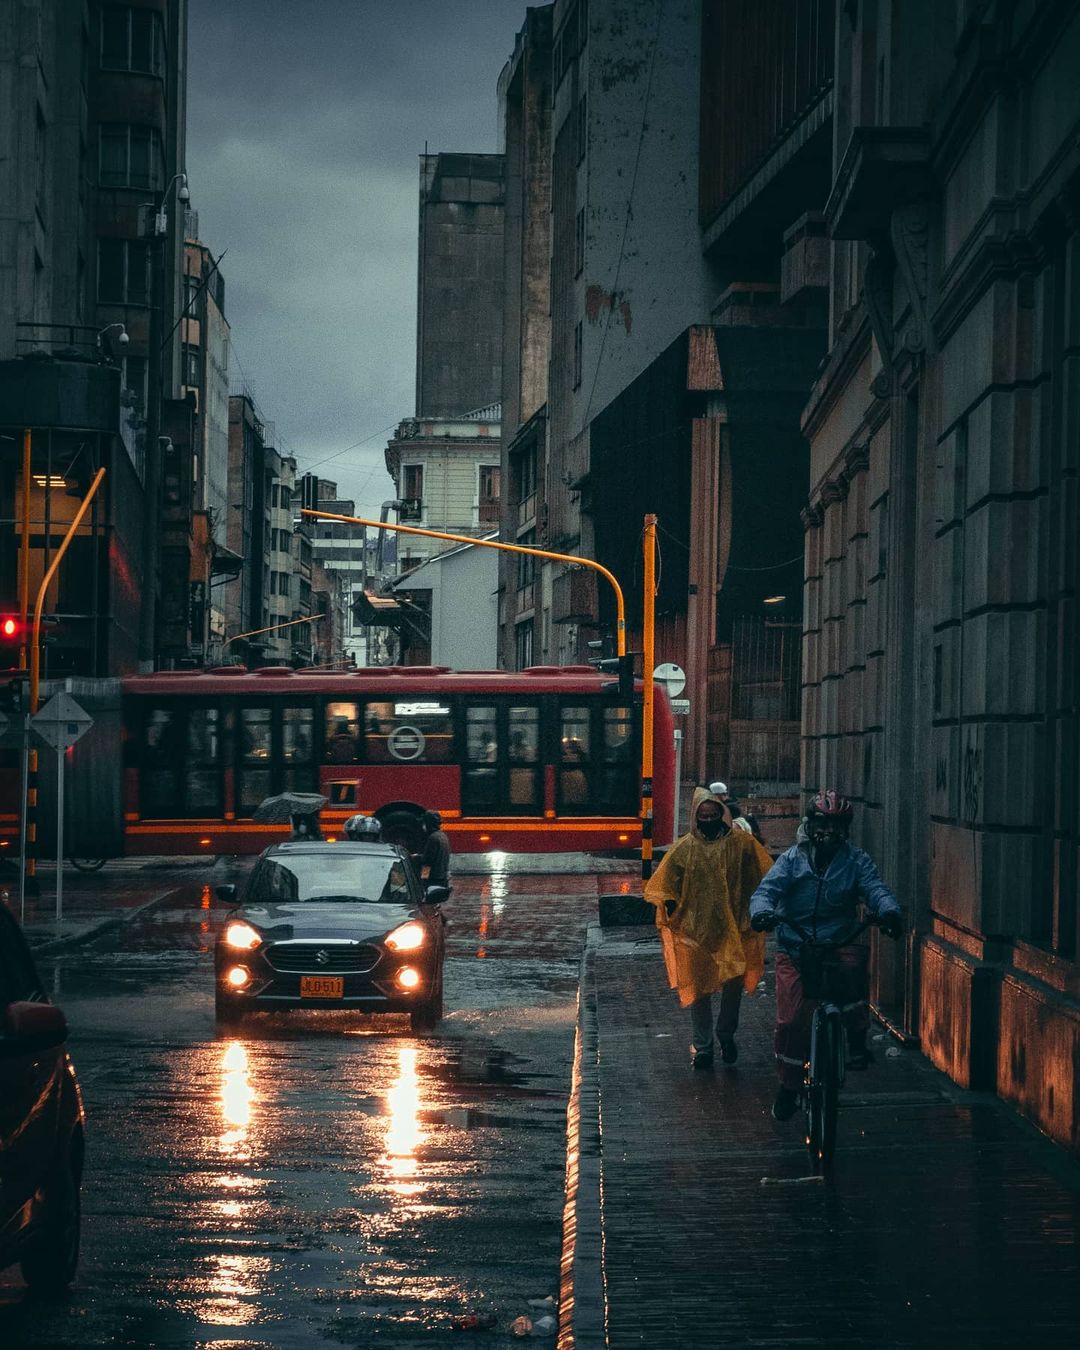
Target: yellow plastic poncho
x: 707, y: 939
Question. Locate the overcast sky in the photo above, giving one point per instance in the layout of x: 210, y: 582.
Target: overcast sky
x: 305, y: 120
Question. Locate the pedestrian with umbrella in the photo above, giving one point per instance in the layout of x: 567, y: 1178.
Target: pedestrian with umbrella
x: 299, y: 810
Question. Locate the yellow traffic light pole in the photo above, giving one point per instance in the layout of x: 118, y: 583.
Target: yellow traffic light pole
x: 620, y: 608
x: 648, y: 630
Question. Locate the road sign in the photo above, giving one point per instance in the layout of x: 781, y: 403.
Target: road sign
x: 672, y: 677
x: 61, y: 722
x: 680, y: 706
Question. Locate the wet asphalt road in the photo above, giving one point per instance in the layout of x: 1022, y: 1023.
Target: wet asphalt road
x: 316, y: 1179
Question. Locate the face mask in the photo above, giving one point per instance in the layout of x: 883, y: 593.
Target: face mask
x: 712, y: 829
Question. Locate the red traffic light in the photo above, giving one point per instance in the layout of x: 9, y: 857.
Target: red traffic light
x: 10, y: 627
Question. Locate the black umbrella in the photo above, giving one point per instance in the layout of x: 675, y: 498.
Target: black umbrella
x: 280, y: 810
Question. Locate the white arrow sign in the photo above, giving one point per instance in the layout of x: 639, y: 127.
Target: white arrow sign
x: 672, y: 677
x: 61, y: 722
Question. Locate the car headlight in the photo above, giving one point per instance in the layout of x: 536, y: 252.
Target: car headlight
x: 242, y: 936
x: 407, y: 938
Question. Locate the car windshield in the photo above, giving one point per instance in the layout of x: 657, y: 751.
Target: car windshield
x: 330, y: 876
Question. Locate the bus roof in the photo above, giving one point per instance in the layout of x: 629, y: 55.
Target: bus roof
x: 390, y: 680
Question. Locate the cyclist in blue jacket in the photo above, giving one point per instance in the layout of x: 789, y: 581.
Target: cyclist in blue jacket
x: 818, y: 884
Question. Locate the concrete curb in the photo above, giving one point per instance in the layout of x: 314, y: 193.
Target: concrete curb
x: 582, y: 1288
x: 95, y: 930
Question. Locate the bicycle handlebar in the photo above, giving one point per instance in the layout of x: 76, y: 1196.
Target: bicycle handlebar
x: 871, y: 922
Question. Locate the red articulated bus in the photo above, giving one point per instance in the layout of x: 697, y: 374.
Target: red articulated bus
x: 540, y: 760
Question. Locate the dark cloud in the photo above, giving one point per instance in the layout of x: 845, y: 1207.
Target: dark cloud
x: 305, y: 121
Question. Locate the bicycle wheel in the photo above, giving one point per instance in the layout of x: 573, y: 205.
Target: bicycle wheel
x: 88, y: 864
x: 822, y: 1091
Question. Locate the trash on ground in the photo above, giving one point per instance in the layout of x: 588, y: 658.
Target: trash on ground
x: 549, y: 1302
x: 474, y: 1322
x: 893, y: 1052
x: 545, y: 1326
x: 522, y: 1327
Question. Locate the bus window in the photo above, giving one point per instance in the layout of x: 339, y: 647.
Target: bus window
x: 480, y: 771
x: 255, y: 756
x: 523, y: 756
x: 297, y: 750
x: 202, y: 771
x: 574, y: 761
x: 163, y: 750
x: 342, y: 733
x: 617, y: 789
x: 408, y: 731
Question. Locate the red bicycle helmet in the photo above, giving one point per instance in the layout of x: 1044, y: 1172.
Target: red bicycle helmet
x: 832, y: 806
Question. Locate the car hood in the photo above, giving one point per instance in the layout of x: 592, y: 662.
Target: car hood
x: 280, y: 923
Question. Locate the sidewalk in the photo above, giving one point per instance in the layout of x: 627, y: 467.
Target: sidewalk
x: 97, y: 901
x: 947, y: 1222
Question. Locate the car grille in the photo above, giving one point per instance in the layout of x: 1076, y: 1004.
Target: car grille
x: 318, y: 958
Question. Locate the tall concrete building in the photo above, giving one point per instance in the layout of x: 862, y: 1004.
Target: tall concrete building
x: 459, y: 290
x: 941, y: 632
x: 92, y: 111
x: 525, y: 101
x: 445, y: 461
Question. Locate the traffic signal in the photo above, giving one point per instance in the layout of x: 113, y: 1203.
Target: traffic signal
x: 11, y: 639
x: 624, y: 665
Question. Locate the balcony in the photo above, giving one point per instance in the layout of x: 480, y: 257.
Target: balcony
x: 573, y: 596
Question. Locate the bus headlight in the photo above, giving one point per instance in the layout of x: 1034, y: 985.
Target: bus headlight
x: 407, y: 938
x: 242, y: 937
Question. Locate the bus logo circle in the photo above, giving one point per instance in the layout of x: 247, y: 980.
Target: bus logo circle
x: 405, y: 743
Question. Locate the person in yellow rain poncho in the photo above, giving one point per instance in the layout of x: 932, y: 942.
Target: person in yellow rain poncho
x: 702, y: 892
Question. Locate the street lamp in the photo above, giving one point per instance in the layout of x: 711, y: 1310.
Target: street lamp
x: 157, y: 235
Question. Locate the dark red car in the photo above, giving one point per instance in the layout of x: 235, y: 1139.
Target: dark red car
x: 41, y: 1124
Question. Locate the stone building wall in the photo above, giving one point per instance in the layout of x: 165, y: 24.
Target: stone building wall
x: 941, y: 632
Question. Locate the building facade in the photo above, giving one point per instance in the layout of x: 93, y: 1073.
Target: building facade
x: 91, y: 158
x: 941, y: 638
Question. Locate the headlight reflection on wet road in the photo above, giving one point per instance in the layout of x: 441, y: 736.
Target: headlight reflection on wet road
x: 237, y: 1099
x: 404, y: 1134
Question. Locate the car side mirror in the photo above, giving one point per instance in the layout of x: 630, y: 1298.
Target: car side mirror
x: 31, y: 1026
x: 436, y: 895
x: 226, y: 892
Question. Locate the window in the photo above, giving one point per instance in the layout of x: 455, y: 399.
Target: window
x: 574, y: 757
x: 123, y: 272
x: 342, y: 733
x: 133, y: 377
x: 480, y: 772
x: 523, y: 636
x: 344, y: 878
x: 283, y: 583
x: 526, y: 562
x: 523, y: 756
x: 579, y: 339
x: 191, y: 367
x: 582, y: 126
x: 181, y: 762
x: 132, y: 39
x: 488, y: 493
x: 130, y: 157
x: 408, y: 731
x: 579, y: 243
x: 412, y: 478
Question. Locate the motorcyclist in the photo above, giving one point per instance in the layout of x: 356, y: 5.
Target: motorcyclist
x: 818, y: 884
x: 365, y: 829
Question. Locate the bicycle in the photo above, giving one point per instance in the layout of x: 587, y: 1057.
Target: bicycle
x: 826, y: 1066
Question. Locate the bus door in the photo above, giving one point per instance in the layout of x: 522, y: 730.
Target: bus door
x: 275, y: 752
x: 501, y: 768
x: 181, y: 760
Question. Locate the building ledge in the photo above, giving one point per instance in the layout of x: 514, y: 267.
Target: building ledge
x: 882, y: 168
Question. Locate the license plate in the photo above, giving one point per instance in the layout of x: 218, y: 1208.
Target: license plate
x: 322, y: 986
